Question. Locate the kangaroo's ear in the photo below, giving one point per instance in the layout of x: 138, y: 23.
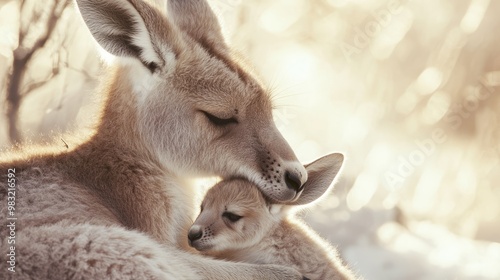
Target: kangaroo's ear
x: 196, y: 18
x: 320, y: 175
x: 126, y: 28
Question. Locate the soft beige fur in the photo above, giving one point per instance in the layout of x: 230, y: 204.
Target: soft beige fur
x: 116, y: 204
x: 266, y: 232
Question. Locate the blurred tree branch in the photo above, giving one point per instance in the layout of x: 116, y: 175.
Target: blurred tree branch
x: 23, y: 55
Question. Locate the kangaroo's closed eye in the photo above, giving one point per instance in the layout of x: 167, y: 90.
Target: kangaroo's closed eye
x: 231, y: 216
x: 219, y: 121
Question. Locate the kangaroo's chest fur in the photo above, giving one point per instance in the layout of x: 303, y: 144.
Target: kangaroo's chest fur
x: 99, y: 185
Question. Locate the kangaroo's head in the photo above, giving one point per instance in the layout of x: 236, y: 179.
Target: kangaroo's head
x: 235, y: 215
x: 194, y: 106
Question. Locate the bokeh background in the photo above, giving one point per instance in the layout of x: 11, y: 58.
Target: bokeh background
x: 408, y: 90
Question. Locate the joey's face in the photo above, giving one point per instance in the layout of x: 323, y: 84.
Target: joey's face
x: 234, y: 215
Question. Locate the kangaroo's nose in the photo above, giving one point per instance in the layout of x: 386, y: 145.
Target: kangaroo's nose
x: 292, y: 181
x: 195, y: 234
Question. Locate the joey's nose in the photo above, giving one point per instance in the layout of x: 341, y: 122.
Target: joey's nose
x: 194, y: 234
x: 292, y: 181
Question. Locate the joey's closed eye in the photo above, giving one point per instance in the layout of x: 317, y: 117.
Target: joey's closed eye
x: 231, y: 216
x: 219, y: 121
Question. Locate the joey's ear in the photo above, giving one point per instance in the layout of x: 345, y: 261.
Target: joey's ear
x: 320, y: 175
x: 196, y: 18
x: 125, y: 28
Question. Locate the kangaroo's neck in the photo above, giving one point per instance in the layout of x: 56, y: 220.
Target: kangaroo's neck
x: 118, y: 122
x: 118, y: 166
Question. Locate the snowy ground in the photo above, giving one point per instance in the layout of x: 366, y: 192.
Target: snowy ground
x: 378, y: 247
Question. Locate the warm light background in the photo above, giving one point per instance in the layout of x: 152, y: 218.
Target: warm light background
x: 408, y: 90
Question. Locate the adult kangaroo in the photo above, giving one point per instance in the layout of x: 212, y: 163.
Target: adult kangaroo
x: 176, y: 105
